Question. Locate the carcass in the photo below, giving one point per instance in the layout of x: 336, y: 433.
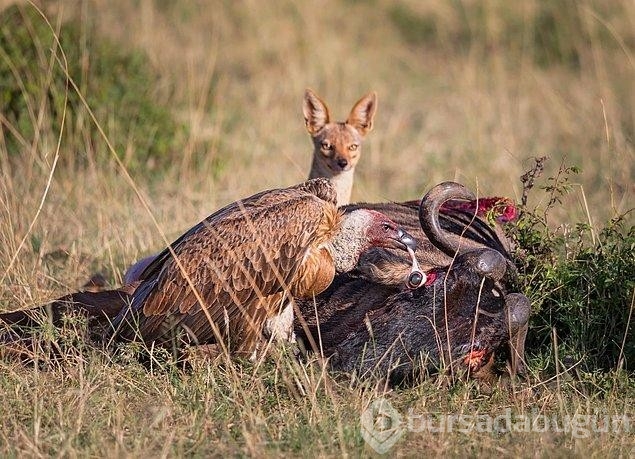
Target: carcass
x: 371, y: 323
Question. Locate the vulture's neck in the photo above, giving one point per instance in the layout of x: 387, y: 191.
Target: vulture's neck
x: 350, y: 241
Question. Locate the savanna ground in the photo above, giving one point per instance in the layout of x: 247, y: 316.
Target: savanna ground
x: 201, y: 103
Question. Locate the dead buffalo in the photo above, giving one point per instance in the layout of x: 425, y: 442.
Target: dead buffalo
x: 369, y: 322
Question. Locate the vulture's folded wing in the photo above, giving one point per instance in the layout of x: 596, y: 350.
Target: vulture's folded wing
x: 233, y: 261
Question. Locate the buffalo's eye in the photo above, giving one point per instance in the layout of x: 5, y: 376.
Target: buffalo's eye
x: 497, y: 293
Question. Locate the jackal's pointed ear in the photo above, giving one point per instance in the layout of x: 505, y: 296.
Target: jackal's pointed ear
x: 361, y: 116
x: 316, y: 113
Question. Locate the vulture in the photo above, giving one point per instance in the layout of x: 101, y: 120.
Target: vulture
x: 221, y: 280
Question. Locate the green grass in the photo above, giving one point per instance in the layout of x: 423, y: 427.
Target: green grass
x: 470, y: 91
x: 119, y: 84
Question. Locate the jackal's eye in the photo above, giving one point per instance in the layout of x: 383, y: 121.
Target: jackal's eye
x: 326, y: 145
x: 353, y: 147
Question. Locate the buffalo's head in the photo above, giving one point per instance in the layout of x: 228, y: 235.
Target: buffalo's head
x: 457, y: 320
x: 368, y: 322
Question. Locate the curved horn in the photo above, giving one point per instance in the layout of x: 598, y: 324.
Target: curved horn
x: 429, y: 213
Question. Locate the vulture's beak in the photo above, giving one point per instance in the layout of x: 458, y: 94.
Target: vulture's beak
x: 405, y: 240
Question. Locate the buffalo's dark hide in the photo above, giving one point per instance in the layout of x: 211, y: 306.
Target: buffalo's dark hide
x: 460, y: 319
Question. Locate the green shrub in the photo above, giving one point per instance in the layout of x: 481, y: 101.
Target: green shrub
x: 581, y: 285
x: 119, y: 86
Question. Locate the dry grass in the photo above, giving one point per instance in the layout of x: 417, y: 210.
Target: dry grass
x: 235, y: 72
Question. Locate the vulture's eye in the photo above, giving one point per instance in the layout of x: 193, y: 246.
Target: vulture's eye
x: 386, y: 227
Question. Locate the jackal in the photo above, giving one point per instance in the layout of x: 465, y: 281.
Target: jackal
x: 337, y: 145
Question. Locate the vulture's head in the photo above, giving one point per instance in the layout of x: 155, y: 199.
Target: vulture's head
x: 364, y: 229
x: 383, y: 232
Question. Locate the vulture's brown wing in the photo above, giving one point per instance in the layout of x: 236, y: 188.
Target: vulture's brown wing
x: 320, y: 187
x: 236, y: 259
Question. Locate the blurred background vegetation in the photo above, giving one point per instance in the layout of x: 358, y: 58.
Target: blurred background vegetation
x: 468, y: 89
x: 201, y: 102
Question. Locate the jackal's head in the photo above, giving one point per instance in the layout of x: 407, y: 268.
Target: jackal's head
x: 337, y: 144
